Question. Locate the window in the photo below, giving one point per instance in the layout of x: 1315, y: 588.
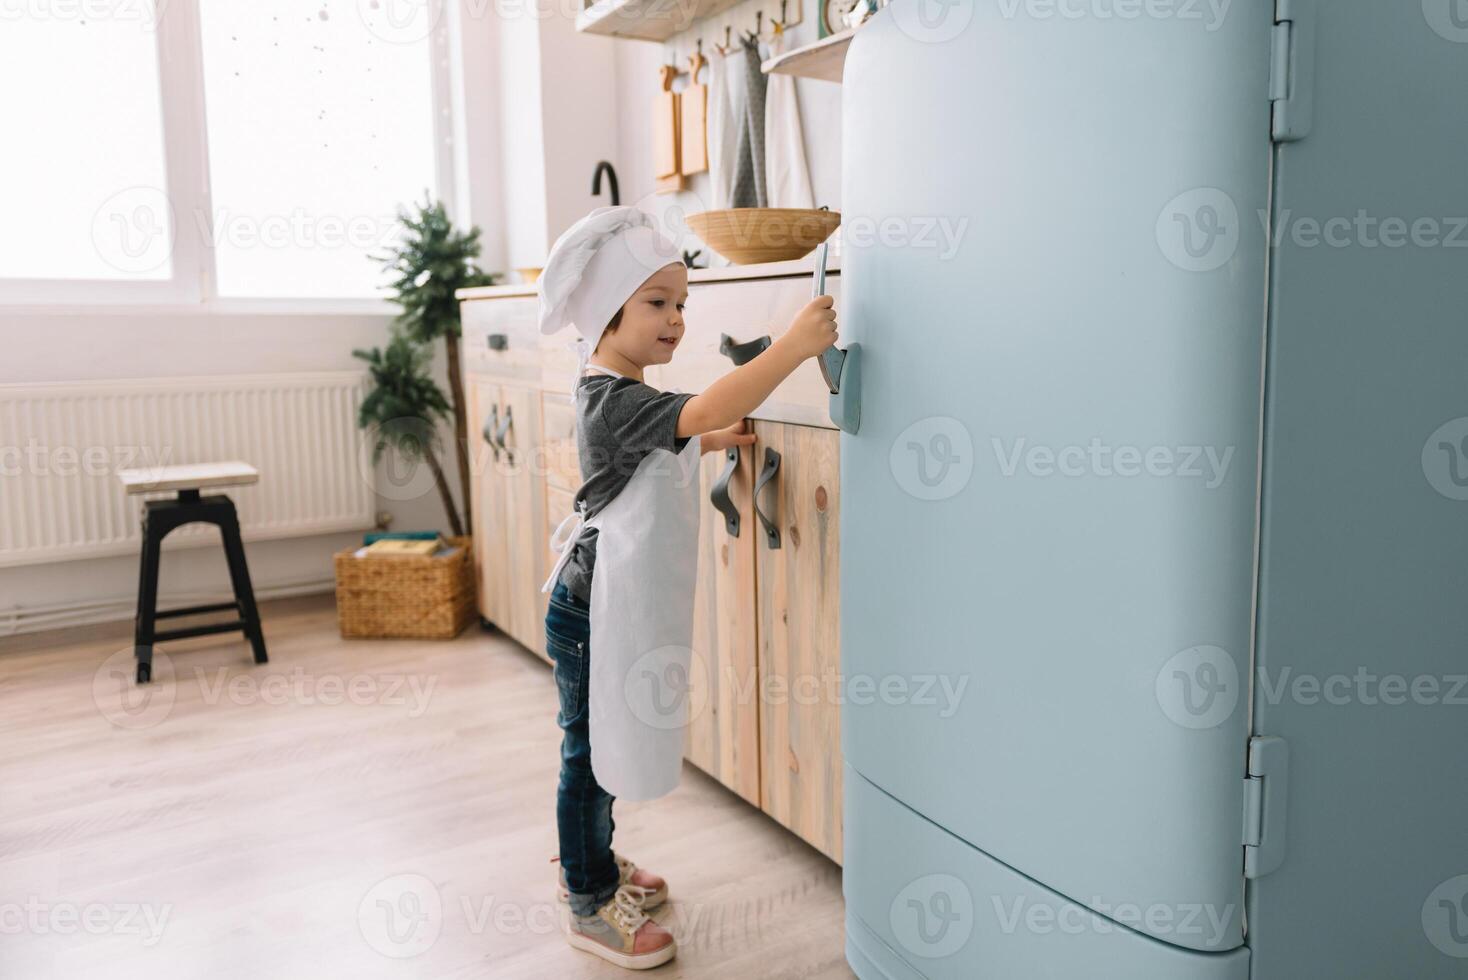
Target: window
x: 72, y: 209
x: 234, y: 150
x: 317, y: 130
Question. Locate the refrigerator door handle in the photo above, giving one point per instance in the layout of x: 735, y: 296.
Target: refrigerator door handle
x: 772, y: 467
x: 840, y: 369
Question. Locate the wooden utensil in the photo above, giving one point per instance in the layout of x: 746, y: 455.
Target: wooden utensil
x: 694, y: 118
x: 665, y: 149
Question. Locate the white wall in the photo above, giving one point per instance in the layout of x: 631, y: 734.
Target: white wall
x: 539, y: 106
x: 637, y: 82
x: 76, y: 346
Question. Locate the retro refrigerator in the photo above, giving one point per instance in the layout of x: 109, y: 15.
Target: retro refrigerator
x: 1155, y: 516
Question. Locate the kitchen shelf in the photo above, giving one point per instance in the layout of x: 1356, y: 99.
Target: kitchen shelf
x: 824, y: 59
x: 647, y: 20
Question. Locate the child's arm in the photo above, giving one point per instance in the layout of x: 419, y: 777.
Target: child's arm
x: 729, y: 399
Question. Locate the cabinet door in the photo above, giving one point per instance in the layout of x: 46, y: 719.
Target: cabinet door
x: 491, y: 550
x: 723, y: 723
x: 797, y: 601
x: 524, y: 492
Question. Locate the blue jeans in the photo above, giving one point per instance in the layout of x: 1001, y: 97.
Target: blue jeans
x: 583, y: 808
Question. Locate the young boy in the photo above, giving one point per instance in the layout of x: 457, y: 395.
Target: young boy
x: 614, y: 269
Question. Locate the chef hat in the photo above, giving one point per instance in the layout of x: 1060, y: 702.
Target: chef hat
x: 595, y: 266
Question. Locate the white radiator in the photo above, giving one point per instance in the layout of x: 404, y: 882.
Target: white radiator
x: 61, y: 445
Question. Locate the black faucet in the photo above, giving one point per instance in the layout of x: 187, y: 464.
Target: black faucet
x: 605, y: 167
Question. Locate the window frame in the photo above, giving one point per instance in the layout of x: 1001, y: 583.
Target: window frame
x: 192, y: 286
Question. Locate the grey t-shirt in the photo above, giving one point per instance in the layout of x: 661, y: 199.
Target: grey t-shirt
x: 618, y: 422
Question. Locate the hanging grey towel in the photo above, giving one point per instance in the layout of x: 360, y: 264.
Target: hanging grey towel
x: 749, y: 181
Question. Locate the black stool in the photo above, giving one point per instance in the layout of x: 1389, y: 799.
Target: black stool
x: 163, y: 516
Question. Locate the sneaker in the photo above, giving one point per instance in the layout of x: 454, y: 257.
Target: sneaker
x: 650, y: 892
x: 620, y: 932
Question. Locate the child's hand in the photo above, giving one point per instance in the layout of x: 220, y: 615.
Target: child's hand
x: 814, y: 328
x: 721, y: 439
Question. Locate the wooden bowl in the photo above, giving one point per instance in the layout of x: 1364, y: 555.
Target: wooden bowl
x: 745, y: 236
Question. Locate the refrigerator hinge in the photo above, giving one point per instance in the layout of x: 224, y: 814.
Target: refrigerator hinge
x: 1266, y: 794
x: 1292, y: 70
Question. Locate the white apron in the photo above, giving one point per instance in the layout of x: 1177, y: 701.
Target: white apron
x: 641, y: 621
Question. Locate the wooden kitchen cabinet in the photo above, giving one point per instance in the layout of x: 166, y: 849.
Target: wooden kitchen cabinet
x: 490, y: 525
x: 723, y: 725
x: 524, y: 490
x: 798, y: 607
x: 764, y: 716
x: 510, y: 510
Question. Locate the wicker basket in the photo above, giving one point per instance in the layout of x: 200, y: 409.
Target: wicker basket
x: 424, y: 598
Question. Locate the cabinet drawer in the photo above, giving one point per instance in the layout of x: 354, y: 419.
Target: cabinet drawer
x: 558, y: 447
x: 511, y: 324
x: 745, y: 311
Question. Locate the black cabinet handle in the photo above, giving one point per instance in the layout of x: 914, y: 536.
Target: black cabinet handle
x: 719, y: 495
x: 491, y: 423
x: 745, y: 352
x: 504, y: 430
x: 498, y: 341
x: 772, y: 466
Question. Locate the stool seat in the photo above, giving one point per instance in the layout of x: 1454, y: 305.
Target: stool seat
x: 188, y: 476
x: 160, y: 518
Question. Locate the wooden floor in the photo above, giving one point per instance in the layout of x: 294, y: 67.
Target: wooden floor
x: 351, y: 809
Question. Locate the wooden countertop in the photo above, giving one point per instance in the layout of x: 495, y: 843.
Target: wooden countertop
x: 727, y: 273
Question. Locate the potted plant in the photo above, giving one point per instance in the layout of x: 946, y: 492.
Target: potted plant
x: 427, y: 596
x: 403, y: 410
x: 429, y: 265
